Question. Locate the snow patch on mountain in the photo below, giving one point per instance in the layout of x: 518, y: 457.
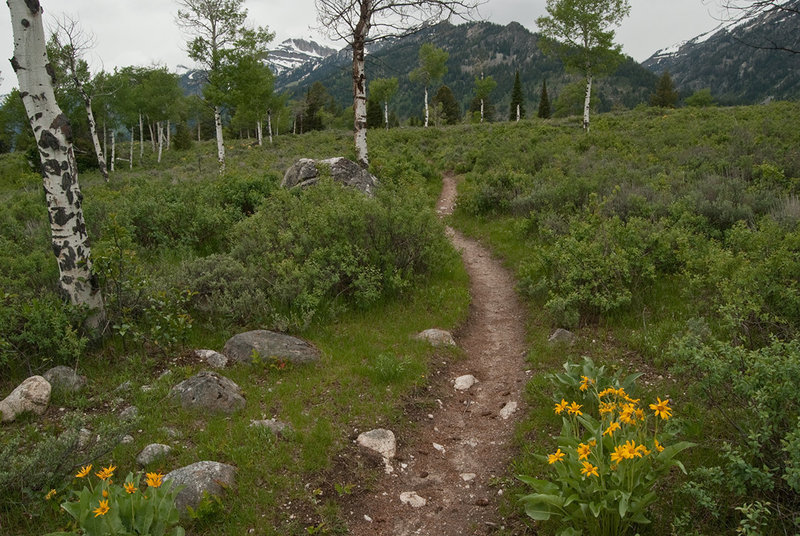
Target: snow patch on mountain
x: 293, y: 53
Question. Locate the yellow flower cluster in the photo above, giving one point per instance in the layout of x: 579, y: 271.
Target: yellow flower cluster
x: 616, y: 408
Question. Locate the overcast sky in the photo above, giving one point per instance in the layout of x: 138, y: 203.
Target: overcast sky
x: 143, y: 32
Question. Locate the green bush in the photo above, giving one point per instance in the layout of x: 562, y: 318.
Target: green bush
x: 755, y: 395
x: 328, y: 246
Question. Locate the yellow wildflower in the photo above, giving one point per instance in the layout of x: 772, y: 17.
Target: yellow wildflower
x: 585, y: 383
x: 659, y: 448
x: 642, y: 450
x: 130, y: 488
x: 105, y: 494
x: 154, y: 479
x: 556, y: 457
x: 607, y: 391
x: 607, y: 407
x: 101, y: 509
x: 612, y: 427
x: 50, y: 495
x: 662, y: 409
x: 640, y: 414
x: 589, y: 470
x: 618, y: 454
x: 84, y: 471
x: 106, y: 472
x: 583, y: 451
x: 575, y: 409
x: 561, y: 406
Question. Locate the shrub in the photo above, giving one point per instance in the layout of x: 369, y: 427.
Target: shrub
x: 314, y: 250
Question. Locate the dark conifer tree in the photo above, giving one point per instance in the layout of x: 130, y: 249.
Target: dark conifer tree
x: 517, y: 99
x: 665, y: 95
x: 374, y: 114
x: 450, y: 108
x: 544, y: 102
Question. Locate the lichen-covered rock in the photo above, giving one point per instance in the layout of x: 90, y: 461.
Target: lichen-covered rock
x: 33, y: 395
x: 214, y: 359
x: 306, y: 172
x: 270, y: 345
x: 151, y: 453
x: 64, y: 378
x: 436, y: 337
x: 206, y: 476
x: 208, y: 391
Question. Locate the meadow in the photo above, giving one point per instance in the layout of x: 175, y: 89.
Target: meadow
x: 666, y: 240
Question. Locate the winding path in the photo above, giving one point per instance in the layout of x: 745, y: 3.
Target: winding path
x: 472, y: 430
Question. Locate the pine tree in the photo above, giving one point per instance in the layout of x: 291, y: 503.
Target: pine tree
x: 374, y: 113
x: 450, y: 108
x: 544, y: 102
x: 517, y: 101
x: 665, y: 95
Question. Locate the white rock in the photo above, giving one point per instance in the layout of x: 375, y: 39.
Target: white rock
x: 466, y: 477
x: 462, y: 383
x: 379, y: 441
x: 152, y: 452
x: 33, y: 394
x: 508, y: 409
x: 438, y: 447
x: 412, y: 499
x: 367, y: 518
x: 127, y: 439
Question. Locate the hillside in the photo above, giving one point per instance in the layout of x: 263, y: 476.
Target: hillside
x: 476, y: 47
x: 728, y: 60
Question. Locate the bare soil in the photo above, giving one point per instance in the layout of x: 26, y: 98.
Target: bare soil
x: 458, y: 477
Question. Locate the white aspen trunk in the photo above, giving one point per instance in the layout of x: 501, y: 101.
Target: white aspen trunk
x: 130, y: 162
x: 101, y: 162
x: 587, y: 101
x: 481, y: 110
x: 360, y: 101
x: 294, y: 125
x: 220, y: 141
x: 105, y: 142
x: 198, y: 131
x: 169, y: 127
x: 258, y: 132
x: 269, y: 125
x: 160, y: 135
x: 152, y: 134
x: 141, y: 137
x: 517, y: 113
x: 426, y: 106
x: 386, y: 113
x: 113, y: 148
x: 59, y: 171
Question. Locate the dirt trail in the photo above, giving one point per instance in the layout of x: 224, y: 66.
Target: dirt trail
x: 471, y: 429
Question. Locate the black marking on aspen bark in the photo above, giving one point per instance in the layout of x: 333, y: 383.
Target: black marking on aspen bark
x: 23, y: 94
x: 25, y: 23
x: 48, y: 141
x: 15, y: 64
x: 37, y: 116
x: 61, y: 217
x: 33, y: 6
x: 51, y: 71
x: 61, y: 122
x: 67, y: 259
x: 51, y: 166
x: 67, y: 279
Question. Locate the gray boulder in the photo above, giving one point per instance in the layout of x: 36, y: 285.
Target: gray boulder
x: 33, y: 394
x: 214, y: 359
x: 436, y: 337
x: 151, y: 453
x: 270, y: 345
x: 210, y: 477
x: 208, y: 391
x: 64, y: 378
x: 562, y: 336
x: 306, y: 172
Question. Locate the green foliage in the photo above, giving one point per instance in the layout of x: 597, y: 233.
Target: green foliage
x: 754, y: 392
x: 432, y: 65
x: 517, y: 100
x: 605, y: 480
x: 328, y: 246
x: 451, y: 112
x: 701, y: 98
x: 182, y: 140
